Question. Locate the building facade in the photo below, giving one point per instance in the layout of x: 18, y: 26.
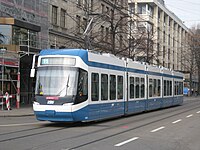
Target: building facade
x: 23, y: 32
x: 169, y: 35
x: 88, y: 24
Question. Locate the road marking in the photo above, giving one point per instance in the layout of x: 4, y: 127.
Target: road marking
x: 127, y: 141
x: 189, y: 116
x: 176, y: 121
x: 24, y: 124
x: 155, y: 130
x: 198, y: 112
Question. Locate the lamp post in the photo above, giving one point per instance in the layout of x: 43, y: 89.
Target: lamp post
x: 2, y: 50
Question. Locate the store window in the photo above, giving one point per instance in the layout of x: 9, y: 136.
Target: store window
x: 25, y: 37
x: 5, y: 34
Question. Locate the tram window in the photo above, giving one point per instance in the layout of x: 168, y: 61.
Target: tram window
x: 180, y: 88
x: 175, y: 93
x: 82, y: 86
x: 154, y: 87
x: 104, y: 87
x: 165, y: 88
x: 131, y: 87
x: 112, y: 87
x: 142, y: 88
x: 95, y: 87
x: 170, y: 87
x: 120, y: 87
x: 176, y: 87
x: 150, y: 88
x: 137, y: 87
x: 158, y: 87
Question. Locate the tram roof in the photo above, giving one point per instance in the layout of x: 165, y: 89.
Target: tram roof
x: 74, y: 52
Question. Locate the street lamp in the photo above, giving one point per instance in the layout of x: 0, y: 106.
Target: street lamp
x: 2, y: 50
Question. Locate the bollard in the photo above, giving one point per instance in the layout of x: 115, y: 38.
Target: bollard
x: 17, y: 101
x: 7, y: 100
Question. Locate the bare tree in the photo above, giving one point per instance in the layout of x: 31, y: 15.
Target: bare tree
x: 196, y: 48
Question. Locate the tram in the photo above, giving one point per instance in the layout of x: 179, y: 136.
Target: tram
x: 78, y: 85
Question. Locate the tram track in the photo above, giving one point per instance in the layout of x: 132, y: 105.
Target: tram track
x: 33, y: 134
x: 127, y: 130
x: 116, y: 134
x: 176, y: 112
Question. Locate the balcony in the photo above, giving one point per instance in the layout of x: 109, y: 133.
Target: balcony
x: 146, y: 17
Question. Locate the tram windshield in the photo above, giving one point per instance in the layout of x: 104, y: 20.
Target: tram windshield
x: 57, y: 81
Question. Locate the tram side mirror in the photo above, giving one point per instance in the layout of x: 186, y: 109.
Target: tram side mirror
x: 32, y: 74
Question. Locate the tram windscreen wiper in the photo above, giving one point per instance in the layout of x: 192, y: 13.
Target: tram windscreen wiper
x: 66, y: 86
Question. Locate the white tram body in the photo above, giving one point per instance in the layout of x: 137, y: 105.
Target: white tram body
x: 78, y: 85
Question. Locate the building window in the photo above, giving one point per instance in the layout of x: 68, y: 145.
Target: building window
x: 102, y: 32
x: 85, y: 4
x: 92, y: 5
x: 62, y: 18
x: 95, y: 87
x: 107, y: 9
x: 78, y: 2
x: 78, y: 24
x: 132, y: 8
x: 107, y: 34
x: 102, y: 8
x: 141, y: 8
x: 121, y: 41
x: 54, y: 15
x: 84, y: 24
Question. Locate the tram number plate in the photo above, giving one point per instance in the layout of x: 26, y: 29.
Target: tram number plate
x: 50, y: 102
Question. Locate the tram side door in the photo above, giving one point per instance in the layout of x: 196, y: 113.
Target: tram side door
x: 127, y: 93
x: 94, y: 102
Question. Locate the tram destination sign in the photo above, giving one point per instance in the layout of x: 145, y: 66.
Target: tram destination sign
x: 58, y: 61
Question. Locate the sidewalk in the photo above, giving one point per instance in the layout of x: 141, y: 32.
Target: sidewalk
x: 28, y: 110
x: 23, y: 111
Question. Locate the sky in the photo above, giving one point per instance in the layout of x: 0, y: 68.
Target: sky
x: 187, y: 10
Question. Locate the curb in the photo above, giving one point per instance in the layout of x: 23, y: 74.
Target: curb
x: 16, y: 115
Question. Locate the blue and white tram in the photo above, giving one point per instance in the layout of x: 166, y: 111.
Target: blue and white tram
x: 78, y: 85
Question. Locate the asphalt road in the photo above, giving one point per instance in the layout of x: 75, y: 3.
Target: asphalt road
x: 176, y: 128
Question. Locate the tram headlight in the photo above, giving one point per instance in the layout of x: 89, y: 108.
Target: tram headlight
x: 67, y: 104
x: 36, y: 103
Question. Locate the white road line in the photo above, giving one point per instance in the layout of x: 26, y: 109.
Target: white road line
x: 24, y: 124
x: 176, y: 121
x: 189, y: 116
x: 155, y: 130
x: 198, y: 112
x: 127, y: 141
